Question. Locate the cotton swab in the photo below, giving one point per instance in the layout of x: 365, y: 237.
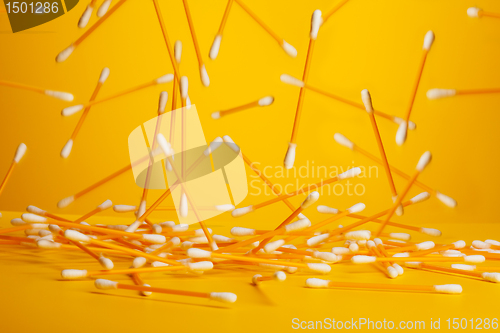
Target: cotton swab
x: 20, y: 151
x: 342, y: 140
x: 475, y: 268
x: 265, y: 101
x: 64, y: 54
x: 84, y: 19
x: 440, y: 93
x: 52, y: 93
x: 334, y: 10
x: 105, y: 205
x: 278, y: 276
x: 441, y: 289
x: 221, y: 297
x: 203, y: 72
x: 35, y: 210
x: 75, y: 108
x: 288, y: 79
x: 69, y: 144
x: 289, y: 49
x: 362, y: 259
x: 486, y: 276
x: 401, y: 134
x: 139, y: 282
x: 478, y: 12
x: 103, y: 8
x: 351, y: 173
x: 214, y: 50
x: 367, y: 101
x: 422, y: 164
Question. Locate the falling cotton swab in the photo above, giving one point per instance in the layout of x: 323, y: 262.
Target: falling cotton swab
x: 69, y: 144
x: 21, y: 150
x: 265, y: 101
x: 52, y: 93
x: 440, y: 93
x: 103, y: 8
x: 278, y: 276
x: 478, y: 12
x: 84, y: 19
x: 214, y: 50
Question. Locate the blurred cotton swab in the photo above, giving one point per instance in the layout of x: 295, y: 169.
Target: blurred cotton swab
x: 69, y: 144
x: 103, y: 8
x: 440, y: 93
x: 278, y: 276
x: 214, y: 50
x: 21, y: 150
x: 478, y: 12
x: 265, y: 101
x: 84, y: 19
x: 52, y: 93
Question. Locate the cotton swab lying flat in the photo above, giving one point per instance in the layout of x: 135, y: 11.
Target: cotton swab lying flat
x: 367, y: 101
x: 52, y: 93
x: 288, y: 79
x: 216, y: 296
x: 64, y: 54
x: 362, y: 259
x: 478, y: 12
x: 486, y: 276
x: 289, y: 49
x: 203, y: 72
x: 69, y: 144
x: 441, y: 289
x: 75, y: 108
x: 476, y: 268
x: 342, y: 140
x: 214, y: 50
x: 421, y: 165
x: 402, y: 131
x: 345, y: 175
x: 440, y: 93
x: 278, y: 276
x: 20, y: 151
x: 265, y: 101
x: 84, y: 19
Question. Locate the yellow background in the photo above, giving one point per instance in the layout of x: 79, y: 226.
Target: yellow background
x: 367, y: 44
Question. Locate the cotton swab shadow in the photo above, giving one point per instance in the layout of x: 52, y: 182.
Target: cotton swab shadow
x: 264, y: 298
x: 376, y: 290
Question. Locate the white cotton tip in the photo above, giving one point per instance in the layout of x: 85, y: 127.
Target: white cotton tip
x: 188, y: 103
x: 473, y: 11
x: 47, y: 244
x: 214, y: 50
x: 367, y: 100
x: 183, y: 206
x: 33, y: 218
x: 342, y: 140
x: 288, y: 79
x: 223, y: 239
x: 464, y: 267
x: 85, y: 18
x: 425, y: 246
x: 448, y: 288
x: 297, y: 225
x: 327, y: 210
x: 319, y: 268
x: 317, y: 283
x: 70, y: 110
x: 289, y: 49
x: 103, y: 8
x: 271, y: 266
x: 155, y: 239
x: 459, y: 245
x: 450, y: 202
x: 358, y: 235
x: 180, y: 227
x: 167, y: 224
x: 178, y: 51
x: 60, y: 95
x: 359, y: 207
x: 398, y: 268
x: 401, y: 255
x: 76, y: 236
x: 105, y: 284
x: 65, y: 202
x: 159, y: 264
x: 106, y: 263
x: 164, y: 145
x: 73, y: 273
x: 392, y: 272
x: 184, y: 86
x: 360, y: 259
x: 411, y: 125
x: 401, y: 133
x: 67, y: 149
x: 474, y: 259
x: 327, y: 256
x: 279, y: 276
x: 273, y: 246
x: 266, y: 101
x: 354, y: 247
x: 338, y: 250
x: 104, y: 75
x: 118, y: 227
x: 216, y: 143
x: 291, y: 270
x: 54, y: 228
x: 146, y: 293
x: 430, y: 232
x: 204, y: 76
x: 164, y: 79
x: 224, y: 208
x: 413, y: 264
x: 223, y: 297
x: 313, y: 241
x: 105, y: 205
x: 239, y: 231
x: 227, y: 139
x: 162, y: 103
x: 420, y: 197
x: 17, y: 222
x: 290, y: 156
x: 350, y: 173
x: 124, y: 208
x: 311, y: 199
x: 200, y: 266
x: 477, y: 244
x: 215, y: 115
x: 198, y: 253
x: 440, y: 93
x: 428, y: 40
x: 139, y: 262
x: 316, y: 21
x: 242, y: 211
x: 492, y: 277
x: 425, y: 159
x: 64, y: 54
x: 492, y: 242
x: 200, y: 232
x: 400, y: 236
x: 20, y: 151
